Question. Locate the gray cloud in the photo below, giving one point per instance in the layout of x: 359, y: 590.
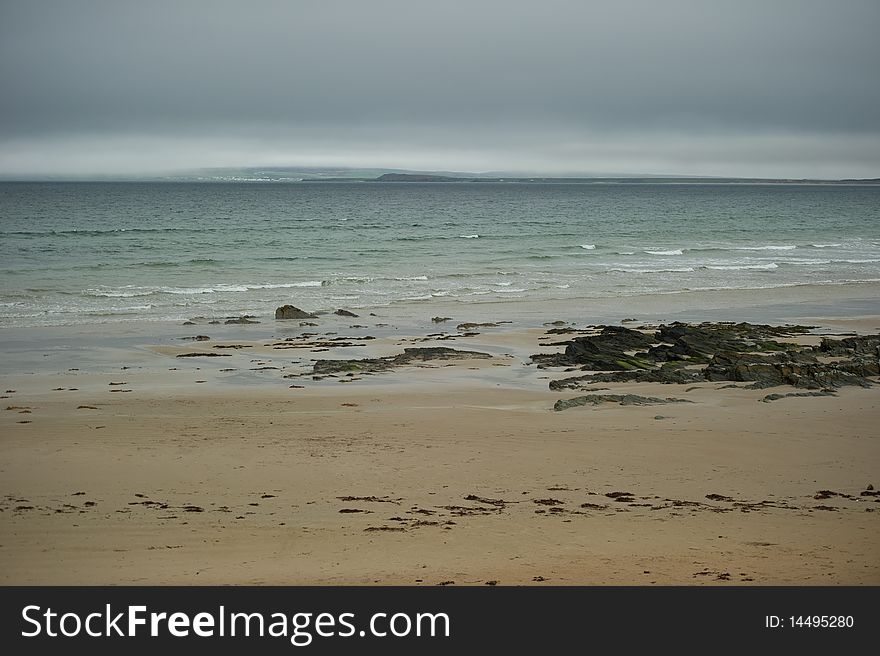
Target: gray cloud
x: 746, y: 88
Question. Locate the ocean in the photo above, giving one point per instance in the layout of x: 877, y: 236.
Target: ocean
x: 86, y: 253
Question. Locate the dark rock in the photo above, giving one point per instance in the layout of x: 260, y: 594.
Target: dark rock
x: 603, y: 352
x: 241, y: 320
x: 797, y: 369
x: 622, y: 399
x: 440, y: 319
x: 292, y: 312
x: 409, y: 355
x: 344, y: 313
x: 203, y: 355
x: 739, y: 352
x: 669, y: 373
x: 863, y: 345
x: 776, y: 397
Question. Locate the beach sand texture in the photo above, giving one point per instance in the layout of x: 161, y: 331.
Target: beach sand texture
x: 451, y: 471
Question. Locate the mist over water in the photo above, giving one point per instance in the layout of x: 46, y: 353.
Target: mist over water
x: 76, y: 253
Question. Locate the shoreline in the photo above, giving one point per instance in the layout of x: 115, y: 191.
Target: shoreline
x: 137, y: 466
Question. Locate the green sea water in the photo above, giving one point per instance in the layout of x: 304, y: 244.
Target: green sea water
x: 80, y: 253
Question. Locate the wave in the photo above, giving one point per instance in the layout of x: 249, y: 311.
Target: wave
x: 588, y: 247
x: 742, y: 267
x: 131, y: 291
x: 825, y: 245
x: 674, y: 251
x: 668, y: 270
x: 287, y: 285
x: 111, y: 231
x: 413, y: 278
x: 763, y: 248
x: 469, y: 236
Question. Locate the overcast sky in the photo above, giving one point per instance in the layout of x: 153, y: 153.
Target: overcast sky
x: 764, y: 88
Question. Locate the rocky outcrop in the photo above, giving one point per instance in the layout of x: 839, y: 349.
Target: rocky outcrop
x: 797, y: 369
x: 671, y: 373
x: 741, y: 352
x: 606, y: 351
x: 863, y: 345
x: 292, y: 312
x: 622, y: 399
x: 409, y: 356
x: 344, y: 313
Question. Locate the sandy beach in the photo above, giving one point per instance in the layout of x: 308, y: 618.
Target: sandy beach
x: 238, y: 465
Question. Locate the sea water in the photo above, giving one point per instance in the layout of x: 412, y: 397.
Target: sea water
x: 80, y: 253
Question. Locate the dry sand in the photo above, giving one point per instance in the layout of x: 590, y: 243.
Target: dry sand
x: 428, y: 475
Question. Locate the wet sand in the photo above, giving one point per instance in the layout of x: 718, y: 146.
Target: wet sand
x: 440, y: 472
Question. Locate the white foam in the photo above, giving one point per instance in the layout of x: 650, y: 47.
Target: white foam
x: 469, y: 236
x: 675, y: 270
x: 588, y: 247
x: 825, y: 245
x: 742, y: 267
x: 765, y: 248
x: 413, y: 278
x: 288, y: 285
x: 674, y: 251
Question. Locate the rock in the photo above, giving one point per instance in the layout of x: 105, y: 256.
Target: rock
x: 776, y: 397
x: 471, y: 326
x: 344, y: 313
x: 240, y: 320
x: 739, y: 352
x: 622, y: 399
x: 799, y: 369
x: 409, y: 355
x: 440, y: 319
x: 668, y: 373
x: 188, y: 323
x: 291, y: 312
x: 870, y: 487
x: 863, y: 345
x: 198, y: 338
x: 603, y: 352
